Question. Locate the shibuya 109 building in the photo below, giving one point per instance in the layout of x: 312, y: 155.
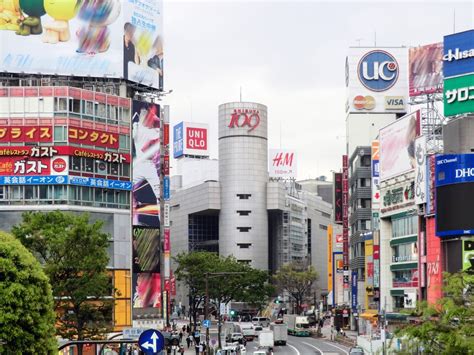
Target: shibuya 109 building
x: 247, y: 203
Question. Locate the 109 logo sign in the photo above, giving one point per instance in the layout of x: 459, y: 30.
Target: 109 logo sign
x: 378, y: 70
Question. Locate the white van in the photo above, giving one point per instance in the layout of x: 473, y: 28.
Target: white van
x: 264, y: 322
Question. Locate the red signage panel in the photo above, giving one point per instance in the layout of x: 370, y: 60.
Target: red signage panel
x: 93, y: 137
x: 23, y: 134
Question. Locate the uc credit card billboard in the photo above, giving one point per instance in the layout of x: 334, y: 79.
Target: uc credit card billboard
x: 376, y: 79
x: 107, y: 38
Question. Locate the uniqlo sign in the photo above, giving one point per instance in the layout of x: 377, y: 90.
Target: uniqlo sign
x: 196, y: 138
x: 190, y: 139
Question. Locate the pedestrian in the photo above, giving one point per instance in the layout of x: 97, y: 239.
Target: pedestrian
x: 201, y: 348
x: 181, y: 349
x: 180, y: 337
x: 321, y: 323
x: 189, y: 339
x: 197, y: 348
x: 183, y: 328
x: 188, y: 329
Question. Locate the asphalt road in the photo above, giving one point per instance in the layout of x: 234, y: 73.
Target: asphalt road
x: 304, y: 346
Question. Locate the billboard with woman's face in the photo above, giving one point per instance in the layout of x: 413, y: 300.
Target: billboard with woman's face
x: 397, y: 146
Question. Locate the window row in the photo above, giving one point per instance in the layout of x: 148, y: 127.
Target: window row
x: 407, y: 225
x: 98, y: 167
x: 405, y: 252
x: 92, y: 110
x: 64, y: 194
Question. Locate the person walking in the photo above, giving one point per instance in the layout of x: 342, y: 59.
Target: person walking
x: 189, y: 340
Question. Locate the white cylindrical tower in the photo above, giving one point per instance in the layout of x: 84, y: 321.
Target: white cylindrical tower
x: 243, y: 177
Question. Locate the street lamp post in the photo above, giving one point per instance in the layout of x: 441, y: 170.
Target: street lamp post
x: 206, y: 304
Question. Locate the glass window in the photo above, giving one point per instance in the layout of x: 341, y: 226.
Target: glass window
x: 110, y: 196
x: 126, y: 169
x: 113, y: 169
x: 60, y: 134
x: 75, y: 163
x: 31, y: 192
x: 60, y: 193
x: 86, y: 193
x: 60, y: 104
x: 88, y: 108
x: 45, y: 192
x: 98, y: 197
x: 75, y: 106
x: 88, y: 165
x: 124, y: 141
x: 407, y: 225
x: 126, y: 115
x: 15, y: 192
x: 101, y: 110
x: 2, y: 192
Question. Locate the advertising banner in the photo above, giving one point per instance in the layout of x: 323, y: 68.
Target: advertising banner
x: 434, y: 265
x: 354, y: 291
x: 409, y: 299
x: 97, y: 182
x: 166, y: 188
x: 143, y: 42
x: 397, y: 197
x: 282, y: 164
x: 21, y: 166
x: 375, y: 174
x: 330, y: 251
x: 468, y: 255
x: 146, y: 289
x: 431, y: 172
x: 25, y: 134
x: 146, y: 164
x: 109, y: 38
x: 338, y: 198
x: 459, y: 95
x: 454, y: 169
x: 339, y: 240
x: 375, y: 79
x: 178, y: 140
x: 146, y: 250
x: 93, y: 137
x: 376, y: 266
x: 458, y: 56
x: 33, y: 180
x: 426, y: 69
x: 345, y: 219
x: 397, y: 146
x: 421, y: 185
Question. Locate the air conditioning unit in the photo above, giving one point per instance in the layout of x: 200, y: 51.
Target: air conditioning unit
x: 109, y: 90
x: 46, y: 81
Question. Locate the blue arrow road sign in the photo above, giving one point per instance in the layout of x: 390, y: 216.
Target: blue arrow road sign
x: 151, y: 341
x: 206, y: 323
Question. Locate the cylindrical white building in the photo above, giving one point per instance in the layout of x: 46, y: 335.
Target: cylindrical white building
x: 243, y: 177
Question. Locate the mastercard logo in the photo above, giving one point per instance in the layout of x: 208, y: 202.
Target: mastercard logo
x: 364, y: 102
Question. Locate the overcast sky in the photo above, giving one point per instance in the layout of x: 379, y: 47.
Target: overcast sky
x: 290, y: 56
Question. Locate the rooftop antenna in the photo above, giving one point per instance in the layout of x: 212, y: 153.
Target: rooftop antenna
x: 280, y: 134
x: 454, y: 20
x: 241, y: 94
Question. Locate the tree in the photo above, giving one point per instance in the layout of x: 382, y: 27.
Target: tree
x: 446, y: 327
x: 297, y: 281
x: 26, y: 302
x: 74, y: 256
x: 228, y: 280
x: 190, y: 271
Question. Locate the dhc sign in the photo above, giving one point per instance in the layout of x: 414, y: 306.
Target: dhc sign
x: 378, y: 70
x: 454, y: 169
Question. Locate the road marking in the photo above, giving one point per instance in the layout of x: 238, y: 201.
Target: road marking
x: 330, y: 344
x: 291, y: 346
x: 318, y: 349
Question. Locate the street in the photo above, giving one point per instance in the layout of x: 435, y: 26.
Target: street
x: 303, y: 346
x: 295, y: 345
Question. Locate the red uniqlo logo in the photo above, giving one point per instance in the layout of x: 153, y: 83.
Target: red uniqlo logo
x: 196, y: 138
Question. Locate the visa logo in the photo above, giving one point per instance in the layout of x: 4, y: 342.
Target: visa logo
x: 394, y: 102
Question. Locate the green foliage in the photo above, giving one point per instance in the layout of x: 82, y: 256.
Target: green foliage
x: 239, y: 282
x: 446, y: 327
x: 26, y: 302
x: 74, y: 255
x: 297, y: 281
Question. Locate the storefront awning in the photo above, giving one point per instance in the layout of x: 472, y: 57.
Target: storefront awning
x: 369, y: 314
x: 406, y: 266
x: 395, y: 316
